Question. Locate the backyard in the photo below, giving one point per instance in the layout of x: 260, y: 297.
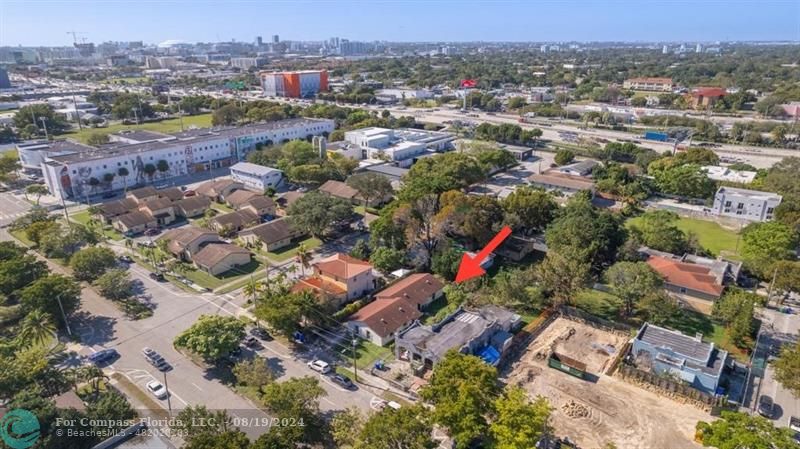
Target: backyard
x: 207, y: 280
x: 163, y: 126
x: 83, y: 217
x: 290, y: 251
x: 711, y: 236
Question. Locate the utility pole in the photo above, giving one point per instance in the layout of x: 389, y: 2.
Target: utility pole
x: 355, y: 368
x: 44, y: 124
x: 166, y: 387
x: 771, y: 285
x: 64, y: 315
x: 77, y: 114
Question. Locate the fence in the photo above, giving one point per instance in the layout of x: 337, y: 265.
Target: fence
x: 526, y: 335
x: 595, y: 321
x: 667, y: 387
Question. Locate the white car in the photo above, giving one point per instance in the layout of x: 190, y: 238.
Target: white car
x: 320, y: 366
x: 157, y: 389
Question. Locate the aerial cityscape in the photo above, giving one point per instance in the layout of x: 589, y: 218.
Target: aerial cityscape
x: 399, y: 224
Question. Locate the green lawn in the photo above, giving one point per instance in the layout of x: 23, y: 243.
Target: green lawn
x: 204, y: 279
x: 83, y: 217
x: 288, y: 252
x: 221, y: 208
x: 713, y: 237
x: 164, y: 126
x: 22, y: 237
x: 601, y: 304
x: 368, y: 353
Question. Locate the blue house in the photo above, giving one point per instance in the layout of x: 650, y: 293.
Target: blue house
x: 665, y: 351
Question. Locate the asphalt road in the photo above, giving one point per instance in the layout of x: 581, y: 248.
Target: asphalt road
x: 780, y: 329
x: 11, y: 208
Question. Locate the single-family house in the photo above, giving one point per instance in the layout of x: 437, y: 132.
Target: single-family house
x: 111, y: 209
x: 239, y: 197
x: 272, y: 235
x: 287, y: 199
x: 171, y: 193
x: 193, y: 206
x: 134, y: 222
x: 339, y: 278
x: 420, y: 289
x: 217, y: 258
x: 234, y: 221
x: 142, y: 194
x: 341, y: 190
x: 185, y: 242
x: 690, y: 359
x: 696, y: 281
x: 219, y: 189
x: 161, y: 209
x: 260, y: 205
x: 465, y: 331
x: 554, y: 180
x: 380, y: 320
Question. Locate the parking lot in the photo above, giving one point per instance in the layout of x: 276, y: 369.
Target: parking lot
x: 604, y: 409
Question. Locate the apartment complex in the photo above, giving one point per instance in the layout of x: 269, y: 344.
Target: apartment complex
x: 744, y: 204
x: 401, y: 147
x: 302, y: 84
x: 649, y: 84
x: 71, y: 172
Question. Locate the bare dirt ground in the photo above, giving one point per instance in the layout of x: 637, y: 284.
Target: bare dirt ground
x: 608, y: 410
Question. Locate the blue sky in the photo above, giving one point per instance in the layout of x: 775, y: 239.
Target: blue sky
x: 33, y: 22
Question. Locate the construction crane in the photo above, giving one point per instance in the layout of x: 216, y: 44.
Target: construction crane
x: 75, y: 35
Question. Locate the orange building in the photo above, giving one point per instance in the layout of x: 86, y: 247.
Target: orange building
x: 301, y: 84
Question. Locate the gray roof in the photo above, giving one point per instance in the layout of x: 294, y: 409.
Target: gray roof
x: 755, y: 194
x: 690, y: 347
x: 388, y: 170
x: 255, y: 169
x: 272, y: 231
x: 141, y: 135
x: 582, y: 167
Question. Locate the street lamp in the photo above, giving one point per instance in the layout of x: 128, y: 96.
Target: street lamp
x: 44, y: 124
x: 63, y: 315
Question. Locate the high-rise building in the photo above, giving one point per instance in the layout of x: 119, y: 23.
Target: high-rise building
x: 259, y: 41
x: 302, y: 84
x: 5, y: 83
x: 665, y: 50
x: 698, y: 48
x: 276, y: 39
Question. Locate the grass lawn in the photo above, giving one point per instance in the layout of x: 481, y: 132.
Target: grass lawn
x: 368, y: 353
x: 20, y: 235
x: 164, y: 126
x: 713, y: 237
x: 204, y: 279
x: 438, y: 309
x: 601, y: 304
x: 285, y: 254
x: 83, y: 218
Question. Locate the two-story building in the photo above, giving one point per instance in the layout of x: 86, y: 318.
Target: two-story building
x: 339, y: 278
x: 688, y: 359
x: 745, y: 204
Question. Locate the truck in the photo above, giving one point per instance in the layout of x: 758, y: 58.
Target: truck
x: 656, y: 135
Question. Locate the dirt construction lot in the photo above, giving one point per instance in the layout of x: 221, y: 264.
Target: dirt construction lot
x: 593, y: 413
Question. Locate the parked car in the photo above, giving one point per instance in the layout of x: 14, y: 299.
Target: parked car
x: 189, y: 193
x: 343, y: 381
x: 157, y: 389
x: 766, y: 407
x: 157, y: 277
x: 149, y: 353
x: 125, y: 258
x: 103, y: 356
x: 261, y: 333
x: 250, y: 341
x: 152, y: 232
x: 319, y: 366
x: 794, y: 424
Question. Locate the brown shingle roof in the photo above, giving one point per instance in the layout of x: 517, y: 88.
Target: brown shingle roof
x: 260, y: 202
x: 180, y: 238
x: 118, y: 207
x: 559, y: 180
x: 239, y: 197
x: 172, y: 193
x: 339, y: 189
x: 135, y: 218
x: 238, y: 219
x: 288, y: 198
x: 143, y: 192
x: 342, y: 266
x: 416, y: 288
x: 687, y: 275
x: 157, y: 204
x: 271, y: 232
x: 215, y: 253
x: 193, y: 202
x: 387, y: 316
x: 213, y: 188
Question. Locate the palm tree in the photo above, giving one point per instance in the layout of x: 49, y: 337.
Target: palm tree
x: 303, y: 257
x: 252, y: 289
x: 36, y: 328
x: 162, y: 166
x: 124, y: 173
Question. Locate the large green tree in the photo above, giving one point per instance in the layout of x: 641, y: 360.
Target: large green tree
x: 212, y: 336
x: 657, y: 230
x: 316, y: 212
x: 407, y: 428
x: 115, y: 284
x: 529, y: 210
x: 736, y: 430
x: 763, y: 244
x: 46, y: 292
x: 90, y: 263
x: 371, y: 186
x: 787, y: 367
x: 632, y: 281
x: 519, y: 423
x: 285, y: 312
x: 462, y: 390
x: 296, y: 399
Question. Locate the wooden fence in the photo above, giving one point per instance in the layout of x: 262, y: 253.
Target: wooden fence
x: 664, y: 386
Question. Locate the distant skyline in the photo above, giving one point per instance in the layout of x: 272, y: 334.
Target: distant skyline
x: 46, y: 23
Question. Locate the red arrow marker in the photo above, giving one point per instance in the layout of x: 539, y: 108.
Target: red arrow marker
x: 471, y: 266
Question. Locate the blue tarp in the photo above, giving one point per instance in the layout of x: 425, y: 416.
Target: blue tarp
x: 489, y: 355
